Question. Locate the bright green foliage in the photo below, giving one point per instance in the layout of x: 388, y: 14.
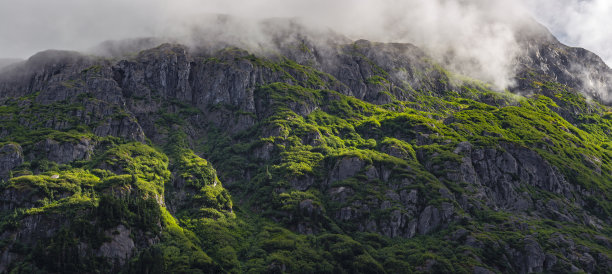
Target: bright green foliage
x: 148, y: 166
x: 284, y: 174
x: 311, y: 130
x: 204, y: 194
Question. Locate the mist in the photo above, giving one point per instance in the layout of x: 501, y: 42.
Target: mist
x: 578, y: 23
x: 471, y: 37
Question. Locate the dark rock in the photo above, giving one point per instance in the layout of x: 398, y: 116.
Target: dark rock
x: 126, y: 128
x: 346, y: 168
x: 550, y: 261
x: 120, y: 247
x: 341, y: 194
x: 533, y: 257
x: 302, y: 183
x: 429, y: 220
x: 11, y: 156
x: 264, y: 151
x: 64, y: 152
x: 482, y: 270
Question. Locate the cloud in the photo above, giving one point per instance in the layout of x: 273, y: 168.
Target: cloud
x: 474, y: 37
x: 582, y: 23
x: 29, y: 26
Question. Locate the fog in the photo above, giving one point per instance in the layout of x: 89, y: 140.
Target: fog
x: 474, y: 37
x: 582, y: 23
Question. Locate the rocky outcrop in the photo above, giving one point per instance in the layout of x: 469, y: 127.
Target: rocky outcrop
x: 393, y: 193
x: 500, y: 176
x: 11, y: 156
x: 40, y: 71
x: 503, y: 172
x: 163, y: 71
x: 125, y: 127
x: 532, y: 258
x: 64, y: 152
x: 432, y: 217
x: 400, y: 213
x: 362, y: 61
x: 346, y: 168
x: 33, y: 229
x: 120, y: 245
x: 120, y: 248
x: 577, y: 68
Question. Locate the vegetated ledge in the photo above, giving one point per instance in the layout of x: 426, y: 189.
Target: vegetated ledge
x: 327, y: 172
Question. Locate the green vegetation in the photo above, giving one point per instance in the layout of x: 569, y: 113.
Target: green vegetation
x: 320, y: 182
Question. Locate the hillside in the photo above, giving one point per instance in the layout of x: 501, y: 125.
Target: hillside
x: 327, y: 158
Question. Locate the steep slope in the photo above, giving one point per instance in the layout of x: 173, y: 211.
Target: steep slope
x: 357, y: 157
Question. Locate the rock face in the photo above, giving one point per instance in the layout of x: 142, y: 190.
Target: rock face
x: 575, y: 67
x: 346, y: 168
x: 504, y: 171
x: 11, y: 156
x: 120, y: 248
x: 357, y: 139
x: 65, y: 152
x: 533, y: 257
x: 40, y: 71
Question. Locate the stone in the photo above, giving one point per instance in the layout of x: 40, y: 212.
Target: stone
x: 533, y: 259
x: 65, y: 152
x: 428, y: 220
x: 120, y: 247
x: 482, y: 270
x: 11, y: 156
x: 346, y: 168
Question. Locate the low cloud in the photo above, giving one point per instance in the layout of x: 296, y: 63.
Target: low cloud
x: 581, y: 23
x: 472, y: 37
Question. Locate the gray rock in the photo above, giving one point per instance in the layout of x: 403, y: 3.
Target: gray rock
x: 392, y: 195
x: 341, y: 194
x: 372, y: 173
x: 308, y: 208
x: 126, y: 127
x: 302, y: 182
x: 346, y: 168
x: 463, y: 147
x: 447, y: 211
x: 64, y: 152
x: 460, y: 233
x: 11, y: 156
x: 345, y: 213
x: 550, y: 261
x: 588, y: 262
x: 482, y: 270
x: 533, y: 258
x: 409, y: 197
x: 429, y: 220
x: 264, y: 152
x: 121, y: 246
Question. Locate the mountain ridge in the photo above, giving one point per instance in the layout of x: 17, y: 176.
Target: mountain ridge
x: 358, y: 157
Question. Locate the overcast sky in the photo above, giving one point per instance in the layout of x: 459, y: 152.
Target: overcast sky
x: 29, y: 26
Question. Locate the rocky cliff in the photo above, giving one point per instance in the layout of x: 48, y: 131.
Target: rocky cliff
x: 334, y: 157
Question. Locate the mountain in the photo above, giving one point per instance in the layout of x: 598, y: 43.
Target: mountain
x: 332, y: 156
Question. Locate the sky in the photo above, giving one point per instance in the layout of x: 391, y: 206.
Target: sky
x: 29, y: 26
x: 580, y: 23
x: 479, y: 29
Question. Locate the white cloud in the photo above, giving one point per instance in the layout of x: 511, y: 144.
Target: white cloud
x: 581, y: 23
x: 478, y: 33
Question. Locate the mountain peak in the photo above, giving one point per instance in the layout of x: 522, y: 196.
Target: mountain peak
x: 304, y: 153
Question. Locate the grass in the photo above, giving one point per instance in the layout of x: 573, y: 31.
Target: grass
x: 264, y: 200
